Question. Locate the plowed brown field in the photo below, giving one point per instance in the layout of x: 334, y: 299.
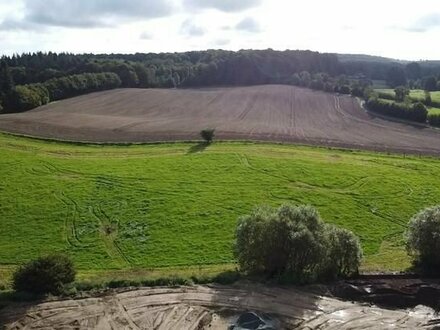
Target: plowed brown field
x: 272, y: 112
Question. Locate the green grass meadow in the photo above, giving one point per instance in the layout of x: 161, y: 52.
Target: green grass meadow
x: 433, y: 110
x: 130, y: 209
x: 415, y: 94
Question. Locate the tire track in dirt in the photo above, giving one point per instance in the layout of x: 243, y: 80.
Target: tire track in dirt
x: 213, y: 307
x: 248, y: 107
x: 292, y: 113
x: 215, y: 98
x: 384, y: 126
x: 298, y: 130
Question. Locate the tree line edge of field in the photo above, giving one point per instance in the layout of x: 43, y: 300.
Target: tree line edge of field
x: 196, y: 69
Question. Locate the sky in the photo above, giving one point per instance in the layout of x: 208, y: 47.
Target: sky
x: 396, y: 29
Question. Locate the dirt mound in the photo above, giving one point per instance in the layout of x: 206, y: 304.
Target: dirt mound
x: 393, y: 292
x: 272, y: 112
x: 215, y: 307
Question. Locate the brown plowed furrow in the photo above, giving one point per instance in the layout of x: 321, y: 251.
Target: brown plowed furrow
x: 269, y: 113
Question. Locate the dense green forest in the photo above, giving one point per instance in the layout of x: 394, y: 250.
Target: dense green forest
x: 33, y: 79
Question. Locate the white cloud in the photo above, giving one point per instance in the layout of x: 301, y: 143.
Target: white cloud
x: 223, y: 5
x: 248, y: 24
x: 86, y: 13
x: 189, y: 28
x: 146, y: 35
x: 425, y: 23
x: 221, y: 42
x: 326, y: 26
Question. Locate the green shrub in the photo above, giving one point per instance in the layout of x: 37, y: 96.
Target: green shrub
x: 386, y: 96
x: 357, y: 90
x: 207, y: 134
x: 294, y: 242
x: 123, y: 284
x: 329, y: 87
x: 26, y: 97
x: 342, y: 89
x: 416, y: 112
x: 44, y: 275
x: 428, y: 99
x: 228, y: 277
x: 344, y: 254
x: 423, y: 239
x: 370, y: 93
x: 400, y: 93
x: 88, y: 286
x: 167, y: 281
x: 434, y: 119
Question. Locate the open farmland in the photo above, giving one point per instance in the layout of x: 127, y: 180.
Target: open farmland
x: 275, y: 113
x: 175, y: 205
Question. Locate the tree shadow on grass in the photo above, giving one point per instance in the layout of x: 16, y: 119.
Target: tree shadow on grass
x: 199, y: 147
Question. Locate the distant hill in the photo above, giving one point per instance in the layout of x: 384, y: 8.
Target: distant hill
x: 368, y: 58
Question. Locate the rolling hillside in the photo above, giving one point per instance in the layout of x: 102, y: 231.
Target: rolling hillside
x: 268, y: 112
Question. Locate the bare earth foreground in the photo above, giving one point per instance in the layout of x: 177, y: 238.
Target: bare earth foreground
x: 272, y: 112
x: 213, y: 308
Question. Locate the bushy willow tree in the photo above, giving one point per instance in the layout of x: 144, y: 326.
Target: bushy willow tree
x: 423, y: 239
x: 294, y: 242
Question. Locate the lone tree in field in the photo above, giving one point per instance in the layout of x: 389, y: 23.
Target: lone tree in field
x: 294, y: 243
x: 207, y: 134
x: 45, y: 275
x: 423, y: 239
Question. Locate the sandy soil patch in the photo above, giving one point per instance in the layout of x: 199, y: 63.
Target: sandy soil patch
x: 215, y: 307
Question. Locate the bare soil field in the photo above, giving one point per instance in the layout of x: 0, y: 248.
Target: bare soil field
x: 211, y: 307
x: 270, y: 112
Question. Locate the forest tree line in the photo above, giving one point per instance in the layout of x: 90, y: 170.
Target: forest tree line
x: 26, y: 97
x: 24, y: 78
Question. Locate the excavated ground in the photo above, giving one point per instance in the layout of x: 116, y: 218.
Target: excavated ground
x: 212, y: 307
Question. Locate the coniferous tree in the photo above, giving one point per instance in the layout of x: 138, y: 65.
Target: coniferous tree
x: 6, y: 82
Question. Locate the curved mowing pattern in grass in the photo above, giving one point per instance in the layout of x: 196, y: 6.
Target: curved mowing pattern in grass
x: 114, y: 207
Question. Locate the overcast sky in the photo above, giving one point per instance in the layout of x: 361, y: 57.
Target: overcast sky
x: 397, y: 29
